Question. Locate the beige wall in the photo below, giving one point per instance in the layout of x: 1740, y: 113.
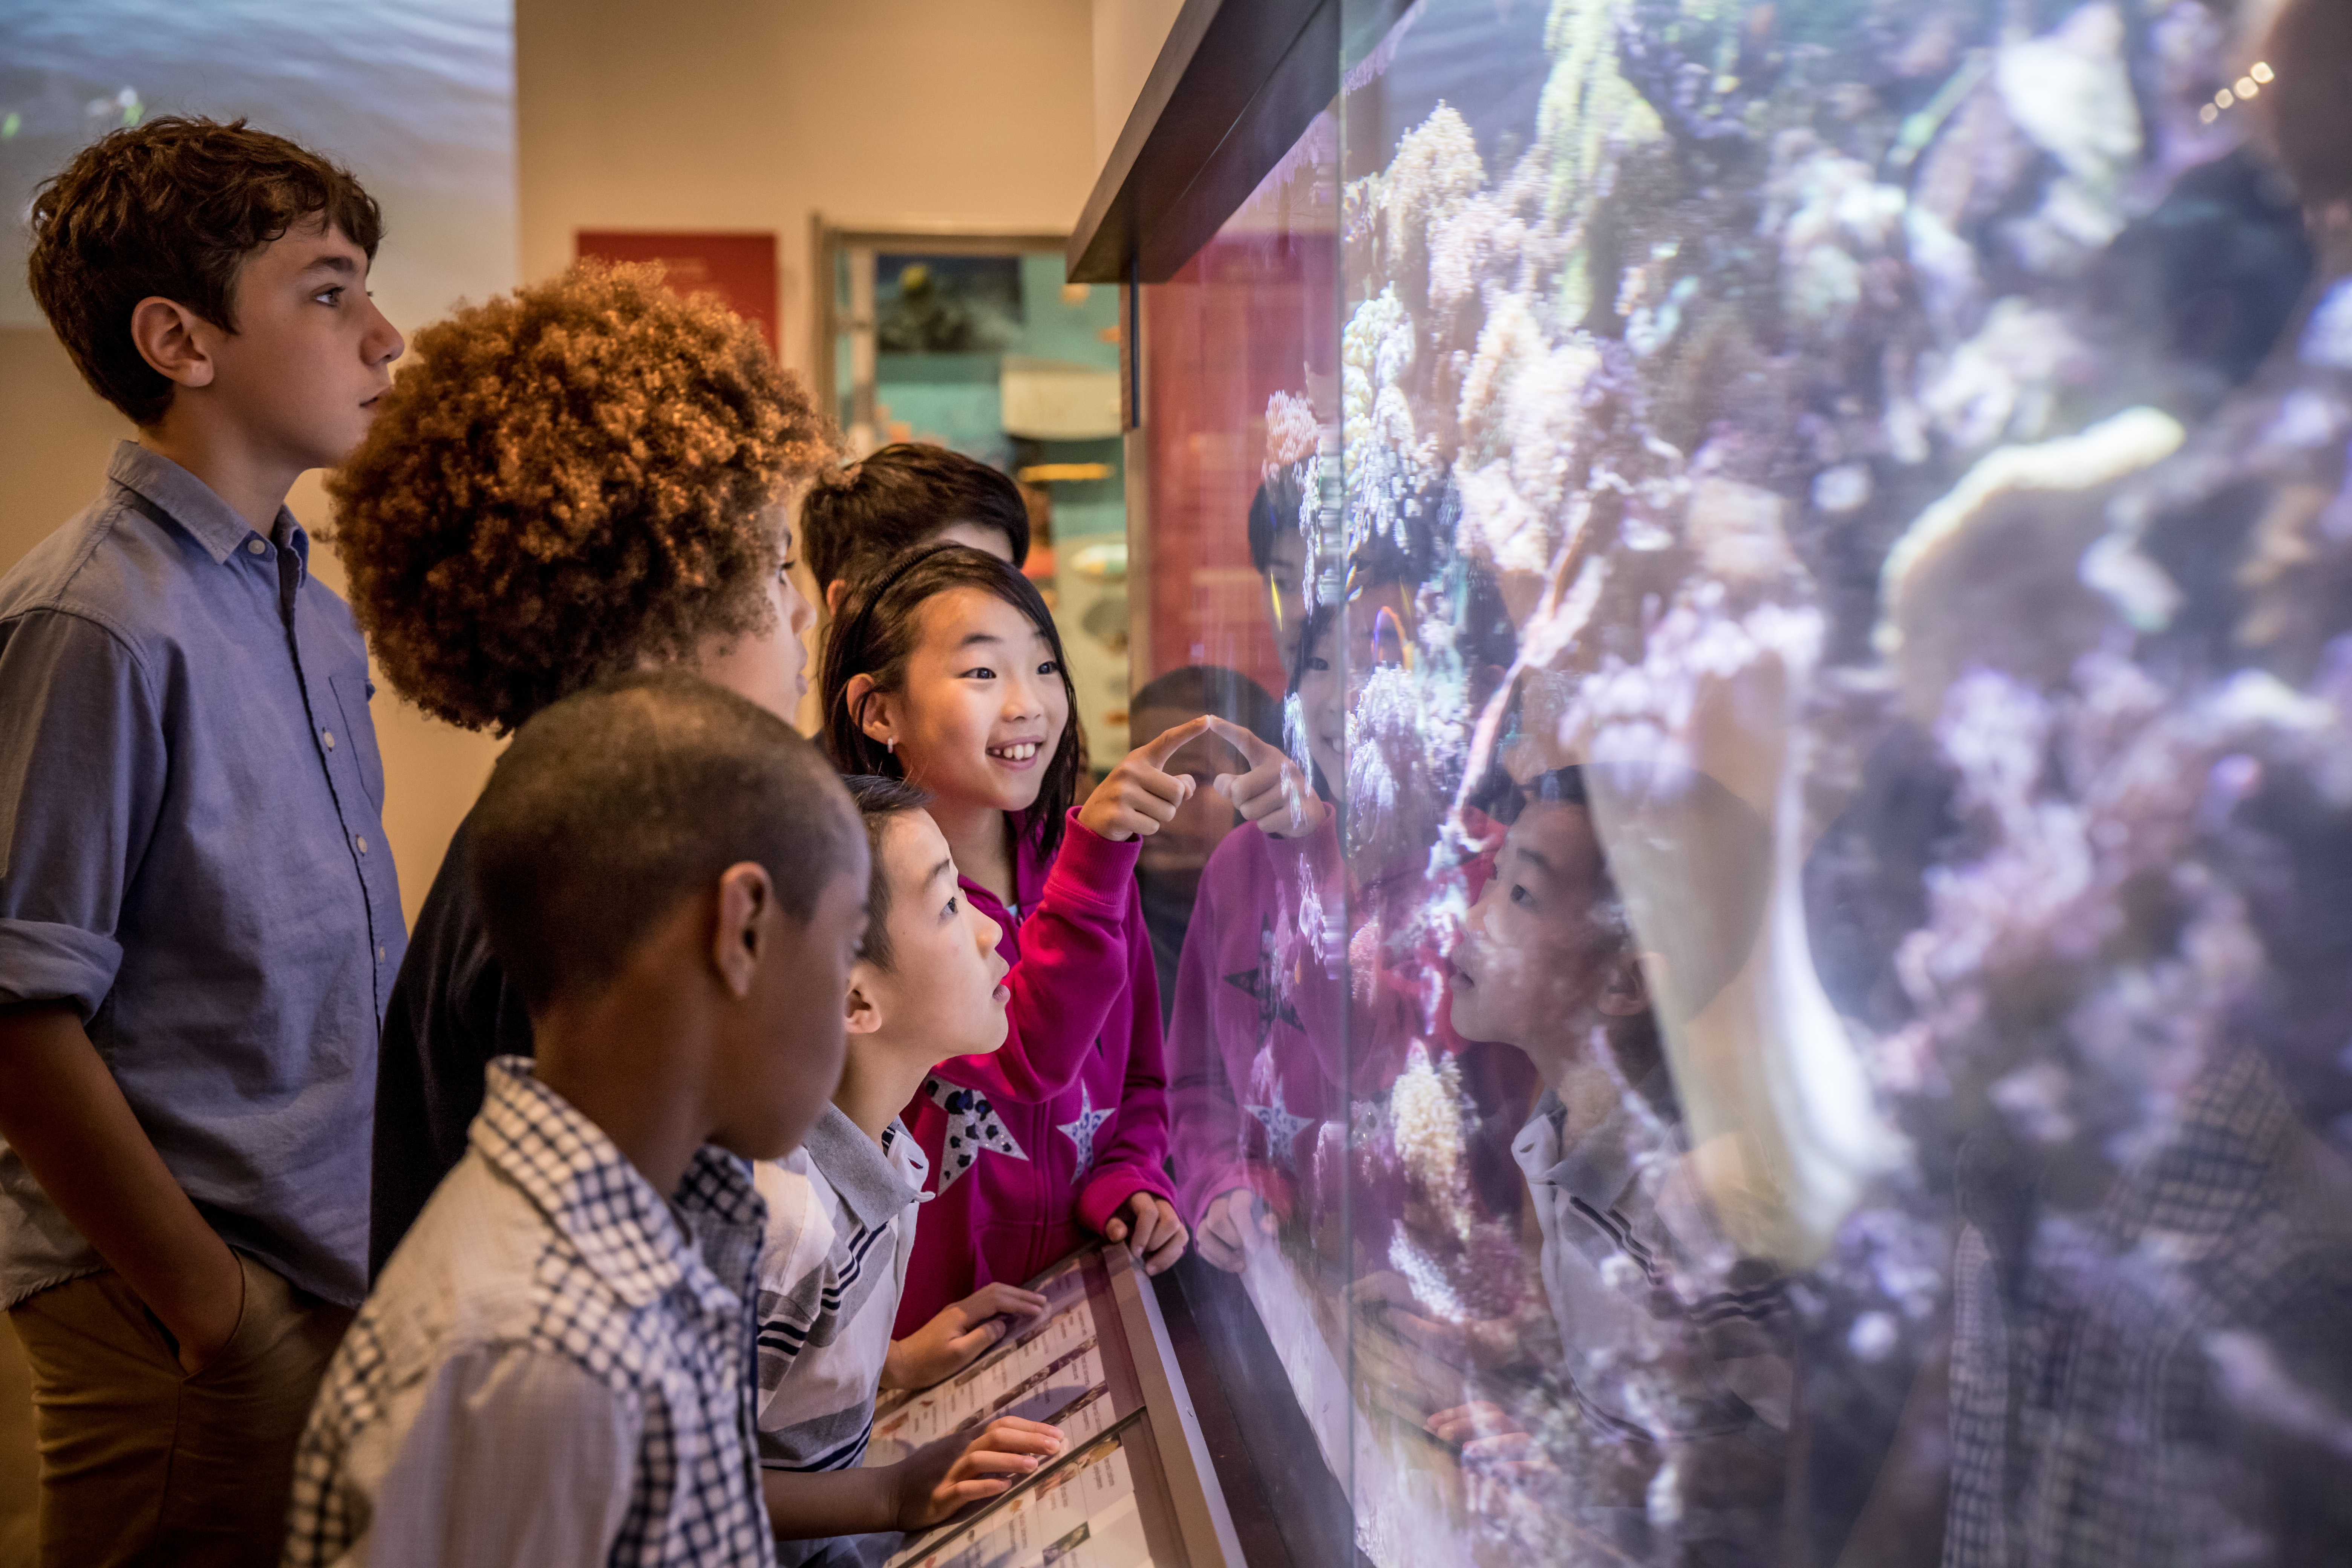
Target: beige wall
x: 756, y: 114
x: 750, y: 114
x: 1126, y: 39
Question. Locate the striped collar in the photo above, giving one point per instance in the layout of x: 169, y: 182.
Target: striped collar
x: 1610, y: 1159
x: 873, y: 1183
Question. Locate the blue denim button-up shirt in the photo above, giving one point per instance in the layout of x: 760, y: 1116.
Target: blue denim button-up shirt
x: 192, y: 852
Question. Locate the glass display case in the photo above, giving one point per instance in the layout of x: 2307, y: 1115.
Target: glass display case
x: 1803, y: 547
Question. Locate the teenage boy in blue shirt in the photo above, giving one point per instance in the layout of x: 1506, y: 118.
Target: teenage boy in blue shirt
x: 199, y: 919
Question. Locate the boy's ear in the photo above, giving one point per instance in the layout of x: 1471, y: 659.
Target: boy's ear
x: 174, y: 340
x: 1631, y: 984
x: 747, y: 906
x: 861, y: 1014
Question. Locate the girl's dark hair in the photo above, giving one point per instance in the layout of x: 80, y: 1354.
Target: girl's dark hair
x: 876, y: 634
x: 857, y: 518
x: 1273, y: 507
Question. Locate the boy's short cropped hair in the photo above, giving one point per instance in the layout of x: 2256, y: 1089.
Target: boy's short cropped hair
x: 880, y: 802
x: 617, y: 803
x: 875, y: 510
x: 172, y: 208
x: 566, y: 482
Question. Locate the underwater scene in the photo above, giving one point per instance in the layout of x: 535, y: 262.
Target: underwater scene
x: 1804, y: 550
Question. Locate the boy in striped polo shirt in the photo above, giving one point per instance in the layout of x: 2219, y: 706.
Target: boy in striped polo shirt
x: 840, y: 1218
x: 1677, y: 1352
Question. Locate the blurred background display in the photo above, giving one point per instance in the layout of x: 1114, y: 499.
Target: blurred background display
x: 979, y: 344
x: 1806, y: 544
x: 416, y: 95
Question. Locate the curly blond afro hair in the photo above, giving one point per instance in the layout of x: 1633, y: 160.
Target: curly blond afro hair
x: 567, y: 482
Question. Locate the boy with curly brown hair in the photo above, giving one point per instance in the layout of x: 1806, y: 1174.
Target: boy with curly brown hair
x: 199, y: 922
x: 581, y: 479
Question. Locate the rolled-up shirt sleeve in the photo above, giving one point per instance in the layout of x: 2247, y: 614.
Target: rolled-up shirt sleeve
x: 83, y: 768
x: 515, y: 1459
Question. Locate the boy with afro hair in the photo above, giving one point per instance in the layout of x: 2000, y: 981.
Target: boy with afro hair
x: 583, y: 477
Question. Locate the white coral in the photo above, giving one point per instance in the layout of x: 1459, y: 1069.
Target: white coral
x: 1425, y: 1112
x: 1523, y: 424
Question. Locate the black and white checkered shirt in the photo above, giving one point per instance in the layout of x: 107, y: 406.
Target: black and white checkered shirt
x: 2091, y: 1418
x: 556, y: 1366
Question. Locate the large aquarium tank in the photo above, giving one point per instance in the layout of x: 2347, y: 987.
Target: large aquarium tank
x: 1803, y: 548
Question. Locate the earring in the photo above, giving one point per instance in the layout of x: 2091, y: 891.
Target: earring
x: 891, y: 746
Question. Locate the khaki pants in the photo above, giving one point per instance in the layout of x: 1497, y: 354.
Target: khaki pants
x: 142, y: 1464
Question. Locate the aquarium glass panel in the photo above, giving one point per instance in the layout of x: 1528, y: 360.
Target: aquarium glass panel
x: 1816, y: 1031
x: 1239, y: 406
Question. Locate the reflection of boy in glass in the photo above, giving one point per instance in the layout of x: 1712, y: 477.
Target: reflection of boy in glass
x: 1168, y: 870
x: 1277, y: 547
x: 1674, y: 1349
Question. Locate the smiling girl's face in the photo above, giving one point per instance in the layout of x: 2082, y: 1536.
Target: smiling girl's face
x: 982, y: 708
x: 1323, y: 703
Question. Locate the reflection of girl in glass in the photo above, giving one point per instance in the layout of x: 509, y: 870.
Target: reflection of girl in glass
x: 1297, y: 987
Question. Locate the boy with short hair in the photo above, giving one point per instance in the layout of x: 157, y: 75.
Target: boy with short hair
x: 646, y: 444
x: 199, y: 919
x: 908, y: 497
x: 928, y: 985
x: 556, y: 1367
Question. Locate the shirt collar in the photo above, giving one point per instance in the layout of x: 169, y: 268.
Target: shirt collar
x: 578, y: 1177
x: 868, y: 1182
x: 1609, y: 1158
x: 190, y: 503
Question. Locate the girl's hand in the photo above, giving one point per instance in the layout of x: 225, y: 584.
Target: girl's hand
x: 1148, y: 1224
x: 949, y: 1341
x: 1139, y: 798
x: 1273, y: 794
x: 1230, y: 1225
x: 965, y: 1468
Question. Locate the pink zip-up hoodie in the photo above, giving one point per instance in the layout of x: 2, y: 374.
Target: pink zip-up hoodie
x: 1254, y: 1042
x: 1032, y: 1149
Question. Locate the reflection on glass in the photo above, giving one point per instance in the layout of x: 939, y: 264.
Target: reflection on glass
x: 1808, y: 543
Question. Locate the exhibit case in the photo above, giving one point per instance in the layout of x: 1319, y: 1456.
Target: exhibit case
x: 1801, y: 549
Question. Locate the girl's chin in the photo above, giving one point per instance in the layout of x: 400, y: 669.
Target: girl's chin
x: 1008, y: 789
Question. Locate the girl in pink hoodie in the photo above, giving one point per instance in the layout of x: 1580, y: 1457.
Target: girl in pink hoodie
x: 946, y: 669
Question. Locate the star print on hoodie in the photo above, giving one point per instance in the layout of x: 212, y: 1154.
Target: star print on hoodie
x: 1081, y: 1132
x: 972, y: 1126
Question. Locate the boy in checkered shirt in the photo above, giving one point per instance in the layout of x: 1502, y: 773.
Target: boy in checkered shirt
x: 928, y: 985
x: 556, y: 1366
